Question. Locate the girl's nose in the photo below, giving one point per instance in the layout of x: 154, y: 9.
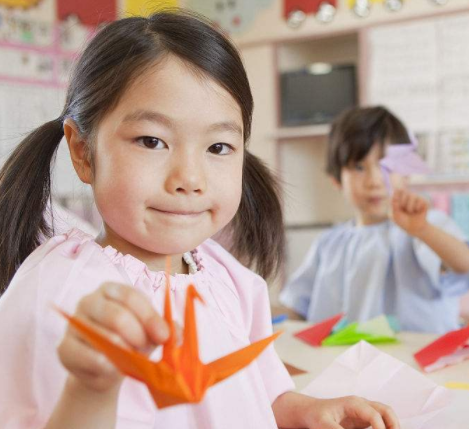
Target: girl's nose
x: 186, y: 176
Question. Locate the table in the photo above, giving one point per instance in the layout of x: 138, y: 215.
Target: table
x: 315, y: 359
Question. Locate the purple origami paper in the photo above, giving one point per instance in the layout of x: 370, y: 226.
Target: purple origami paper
x: 404, y: 160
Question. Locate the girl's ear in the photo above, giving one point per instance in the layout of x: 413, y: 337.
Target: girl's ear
x: 336, y: 183
x: 78, y: 151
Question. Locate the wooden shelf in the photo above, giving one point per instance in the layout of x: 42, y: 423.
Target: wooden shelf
x: 307, y: 131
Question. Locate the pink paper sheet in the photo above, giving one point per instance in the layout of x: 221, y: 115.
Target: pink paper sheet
x: 365, y: 371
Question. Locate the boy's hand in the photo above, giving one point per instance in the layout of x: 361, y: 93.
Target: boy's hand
x: 350, y: 412
x: 409, y: 211
x: 126, y: 317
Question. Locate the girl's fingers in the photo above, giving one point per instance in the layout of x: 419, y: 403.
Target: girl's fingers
x: 389, y: 416
x: 82, y: 359
x: 115, y: 319
x: 154, y: 325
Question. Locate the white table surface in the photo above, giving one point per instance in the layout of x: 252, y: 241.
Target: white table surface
x: 315, y: 359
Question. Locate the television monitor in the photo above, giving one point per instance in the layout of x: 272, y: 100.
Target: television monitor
x: 316, y: 94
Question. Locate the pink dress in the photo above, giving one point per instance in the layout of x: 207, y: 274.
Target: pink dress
x: 69, y: 266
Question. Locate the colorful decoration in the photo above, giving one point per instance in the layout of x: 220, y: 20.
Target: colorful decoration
x: 296, y: 11
x: 19, y: 4
x: 147, y: 7
x: 233, y: 16
x: 362, y: 8
x: 88, y: 12
x: 179, y: 377
x: 393, y: 5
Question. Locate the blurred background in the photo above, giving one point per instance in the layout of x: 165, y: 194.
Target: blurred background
x: 306, y: 60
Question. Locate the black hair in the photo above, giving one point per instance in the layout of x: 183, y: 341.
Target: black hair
x: 355, y: 131
x: 112, y: 60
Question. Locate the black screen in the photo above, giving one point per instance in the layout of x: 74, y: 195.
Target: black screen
x: 316, y: 98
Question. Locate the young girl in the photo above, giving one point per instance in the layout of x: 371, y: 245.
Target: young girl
x: 413, y: 266
x: 157, y: 117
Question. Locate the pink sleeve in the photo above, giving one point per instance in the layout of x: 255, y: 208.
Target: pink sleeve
x: 59, y: 272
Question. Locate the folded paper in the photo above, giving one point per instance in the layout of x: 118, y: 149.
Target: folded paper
x: 404, y: 160
x: 365, y: 371
x: 315, y: 334
x: 449, y: 349
x: 377, y: 330
x: 179, y: 377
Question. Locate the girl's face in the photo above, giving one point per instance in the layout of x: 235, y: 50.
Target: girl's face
x: 168, y: 163
x: 363, y: 186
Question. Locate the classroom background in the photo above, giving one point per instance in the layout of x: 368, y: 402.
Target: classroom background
x: 411, y: 56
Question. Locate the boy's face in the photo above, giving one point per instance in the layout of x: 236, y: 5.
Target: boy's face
x: 363, y: 186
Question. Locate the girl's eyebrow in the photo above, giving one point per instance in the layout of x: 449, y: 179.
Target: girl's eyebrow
x: 230, y: 126
x: 152, y: 116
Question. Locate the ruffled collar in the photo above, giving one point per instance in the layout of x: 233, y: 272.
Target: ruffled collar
x: 134, y: 266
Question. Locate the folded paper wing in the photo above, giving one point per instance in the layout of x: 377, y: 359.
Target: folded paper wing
x: 179, y: 377
x: 449, y: 349
x: 404, y: 160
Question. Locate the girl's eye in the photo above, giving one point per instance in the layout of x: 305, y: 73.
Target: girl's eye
x: 358, y: 167
x: 220, y: 149
x: 151, y: 142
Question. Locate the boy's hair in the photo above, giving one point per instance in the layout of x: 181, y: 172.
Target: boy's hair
x: 118, y: 54
x: 355, y: 131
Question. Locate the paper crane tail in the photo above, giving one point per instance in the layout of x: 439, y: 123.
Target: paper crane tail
x: 227, y: 365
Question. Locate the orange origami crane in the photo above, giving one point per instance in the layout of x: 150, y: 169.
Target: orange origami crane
x: 179, y: 377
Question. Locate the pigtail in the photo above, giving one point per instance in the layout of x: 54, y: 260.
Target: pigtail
x: 25, y: 184
x: 257, y: 231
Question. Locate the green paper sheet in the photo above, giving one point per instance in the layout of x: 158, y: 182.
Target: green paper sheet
x: 376, y: 330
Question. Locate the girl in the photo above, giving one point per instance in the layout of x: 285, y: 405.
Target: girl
x: 413, y: 266
x: 156, y: 119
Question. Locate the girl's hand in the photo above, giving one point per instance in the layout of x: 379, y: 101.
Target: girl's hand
x: 349, y: 412
x: 409, y: 211
x: 126, y: 317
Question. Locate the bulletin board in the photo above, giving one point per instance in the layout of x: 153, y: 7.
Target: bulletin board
x: 420, y: 70
x: 37, y: 51
x: 39, y: 42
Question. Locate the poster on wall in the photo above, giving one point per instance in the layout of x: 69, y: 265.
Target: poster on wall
x: 88, y: 12
x: 146, y: 7
x: 233, y: 16
x: 27, y: 22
